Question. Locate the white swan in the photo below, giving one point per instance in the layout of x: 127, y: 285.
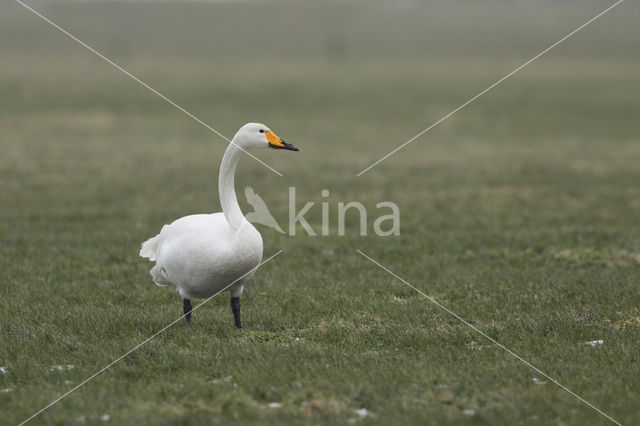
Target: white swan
x: 202, y: 254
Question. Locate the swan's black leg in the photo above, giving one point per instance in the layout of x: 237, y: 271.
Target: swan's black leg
x: 235, y: 307
x: 187, y: 310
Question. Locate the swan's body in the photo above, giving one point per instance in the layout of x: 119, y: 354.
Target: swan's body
x: 203, y: 254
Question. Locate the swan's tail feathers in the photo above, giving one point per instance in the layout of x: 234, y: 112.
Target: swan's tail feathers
x: 150, y: 248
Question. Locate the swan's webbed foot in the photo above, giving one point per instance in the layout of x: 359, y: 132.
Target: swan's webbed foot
x: 187, y: 310
x: 235, y: 307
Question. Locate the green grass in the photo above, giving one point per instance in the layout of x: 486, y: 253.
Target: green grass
x: 519, y: 213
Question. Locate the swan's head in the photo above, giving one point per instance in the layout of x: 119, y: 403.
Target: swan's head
x: 256, y: 135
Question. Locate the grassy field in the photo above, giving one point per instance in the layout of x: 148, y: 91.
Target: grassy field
x: 519, y: 213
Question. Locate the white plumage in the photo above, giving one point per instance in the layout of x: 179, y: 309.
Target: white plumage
x: 202, y: 254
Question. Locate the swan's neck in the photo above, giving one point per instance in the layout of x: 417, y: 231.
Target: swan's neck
x: 226, y: 187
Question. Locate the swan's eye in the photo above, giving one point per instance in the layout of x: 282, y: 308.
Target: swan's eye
x: 261, y: 131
